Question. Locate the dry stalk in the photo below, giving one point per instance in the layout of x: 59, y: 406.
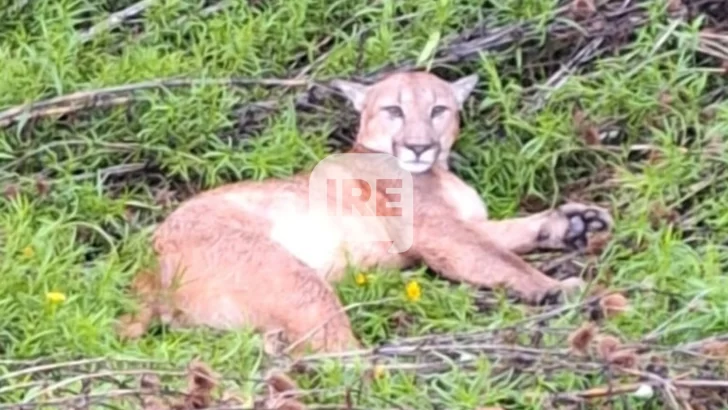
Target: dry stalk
x: 615, y: 19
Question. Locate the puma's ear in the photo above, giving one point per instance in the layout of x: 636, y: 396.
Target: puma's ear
x: 355, y: 92
x: 463, y: 87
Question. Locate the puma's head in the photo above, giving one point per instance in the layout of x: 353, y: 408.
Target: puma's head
x: 413, y: 116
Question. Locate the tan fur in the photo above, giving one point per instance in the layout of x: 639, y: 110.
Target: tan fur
x: 248, y: 254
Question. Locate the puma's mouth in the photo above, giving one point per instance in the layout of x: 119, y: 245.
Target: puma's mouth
x: 415, y: 167
x: 416, y: 158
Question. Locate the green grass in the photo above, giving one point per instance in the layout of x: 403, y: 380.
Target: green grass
x: 88, y: 234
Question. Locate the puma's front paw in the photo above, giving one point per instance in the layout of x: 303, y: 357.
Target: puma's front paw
x: 567, y: 226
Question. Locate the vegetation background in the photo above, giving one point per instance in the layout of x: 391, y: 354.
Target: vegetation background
x: 138, y: 105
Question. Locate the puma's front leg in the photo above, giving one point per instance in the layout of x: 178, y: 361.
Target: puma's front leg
x: 563, y: 228
x: 456, y: 252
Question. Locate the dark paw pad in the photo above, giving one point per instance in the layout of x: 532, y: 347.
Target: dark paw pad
x: 552, y: 297
x: 581, y: 223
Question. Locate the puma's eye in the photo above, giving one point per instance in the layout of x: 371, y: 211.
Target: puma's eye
x: 437, y: 110
x: 394, y: 111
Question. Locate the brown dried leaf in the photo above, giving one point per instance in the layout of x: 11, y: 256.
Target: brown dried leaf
x: 180, y: 404
x: 591, y: 135
x: 654, y: 157
x: 163, y: 198
x: 715, y: 144
x: 625, y: 358
x: 586, y: 129
x: 580, y: 339
x: 613, y: 305
x: 200, y: 376
x: 579, y: 117
x: 150, y: 382
x: 11, y: 191
x: 201, y: 380
x: 606, y: 345
x: 285, y: 404
x: 683, y: 394
x: 129, y: 215
x: 599, y: 25
x: 598, y: 242
x: 168, y: 315
x: 510, y: 336
x: 674, y: 6
x: 658, y: 366
x: 583, y: 8
x: 401, y: 321
x: 42, y: 186
x: 708, y: 114
x: 280, y: 383
x: 274, y: 343
x: 715, y: 348
x: 235, y: 400
x: 665, y: 99
x: 657, y: 360
x: 532, y: 204
x: 133, y: 326
x: 597, y: 290
x: 146, y: 284
x: 659, y: 213
x: 302, y: 369
x: 154, y: 403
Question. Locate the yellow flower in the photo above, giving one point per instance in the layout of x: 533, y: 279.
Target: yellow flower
x: 360, y: 279
x: 378, y: 372
x: 55, y: 297
x: 28, y: 252
x: 413, y: 291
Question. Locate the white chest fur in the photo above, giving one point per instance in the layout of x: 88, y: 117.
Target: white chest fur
x: 313, y: 239
x: 464, y: 199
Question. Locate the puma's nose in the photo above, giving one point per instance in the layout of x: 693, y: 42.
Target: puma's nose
x: 418, y: 149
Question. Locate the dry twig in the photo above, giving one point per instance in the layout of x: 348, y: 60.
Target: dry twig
x: 115, y: 19
x: 615, y: 20
x: 118, y: 95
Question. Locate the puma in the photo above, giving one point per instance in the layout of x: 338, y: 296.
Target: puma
x: 248, y: 254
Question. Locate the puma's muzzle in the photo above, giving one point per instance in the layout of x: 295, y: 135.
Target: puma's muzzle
x: 416, y: 158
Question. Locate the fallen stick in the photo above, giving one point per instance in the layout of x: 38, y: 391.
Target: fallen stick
x: 118, y: 95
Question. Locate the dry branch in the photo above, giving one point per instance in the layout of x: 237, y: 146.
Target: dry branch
x: 116, y: 19
x: 606, y: 30
x: 684, y: 381
x: 684, y: 376
x: 118, y: 95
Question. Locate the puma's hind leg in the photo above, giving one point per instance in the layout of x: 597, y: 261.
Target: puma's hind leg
x: 224, y: 272
x: 286, y: 297
x: 312, y: 316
